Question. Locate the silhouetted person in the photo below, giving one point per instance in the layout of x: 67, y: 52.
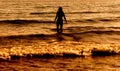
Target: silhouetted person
x: 59, y: 19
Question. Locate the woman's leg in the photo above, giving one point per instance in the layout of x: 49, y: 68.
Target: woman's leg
x: 57, y: 28
x: 61, y: 26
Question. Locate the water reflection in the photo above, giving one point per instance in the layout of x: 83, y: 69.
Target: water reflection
x: 60, y: 63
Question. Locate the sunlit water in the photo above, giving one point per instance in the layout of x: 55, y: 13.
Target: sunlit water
x: 82, y: 16
x: 63, y: 64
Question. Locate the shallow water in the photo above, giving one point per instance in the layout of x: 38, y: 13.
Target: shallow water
x: 89, y: 21
x: 34, y: 17
x: 107, y: 63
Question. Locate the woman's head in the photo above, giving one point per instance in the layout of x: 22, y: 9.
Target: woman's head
x: 60, y: 9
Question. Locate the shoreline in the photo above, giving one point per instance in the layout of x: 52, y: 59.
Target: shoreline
x: 52, y: 46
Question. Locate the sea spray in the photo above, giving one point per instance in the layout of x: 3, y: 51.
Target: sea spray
x: 63, y: 49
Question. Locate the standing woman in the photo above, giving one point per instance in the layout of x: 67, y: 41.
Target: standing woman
x: 59, y: 19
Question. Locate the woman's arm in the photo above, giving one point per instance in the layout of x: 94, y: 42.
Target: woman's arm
x: 65, y: 18
x: 55, y: 18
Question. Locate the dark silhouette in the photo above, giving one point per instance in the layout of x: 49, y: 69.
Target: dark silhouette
x: 59, y: 20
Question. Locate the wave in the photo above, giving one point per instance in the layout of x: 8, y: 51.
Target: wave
x: 86, y: 12
x: 114, y: 6
x: 94, y: 52
x: 36, y: 13
x: 91, y: 20
x: 24, y: 21
x: 92, y: 29
x: 82, y: 12
x: 95, y: 20
x: 66, y: 42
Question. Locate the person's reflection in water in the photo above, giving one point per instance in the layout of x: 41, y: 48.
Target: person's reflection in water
x: 59, y: 20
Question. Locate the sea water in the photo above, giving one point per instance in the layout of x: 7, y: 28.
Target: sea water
x: 34, y: 17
